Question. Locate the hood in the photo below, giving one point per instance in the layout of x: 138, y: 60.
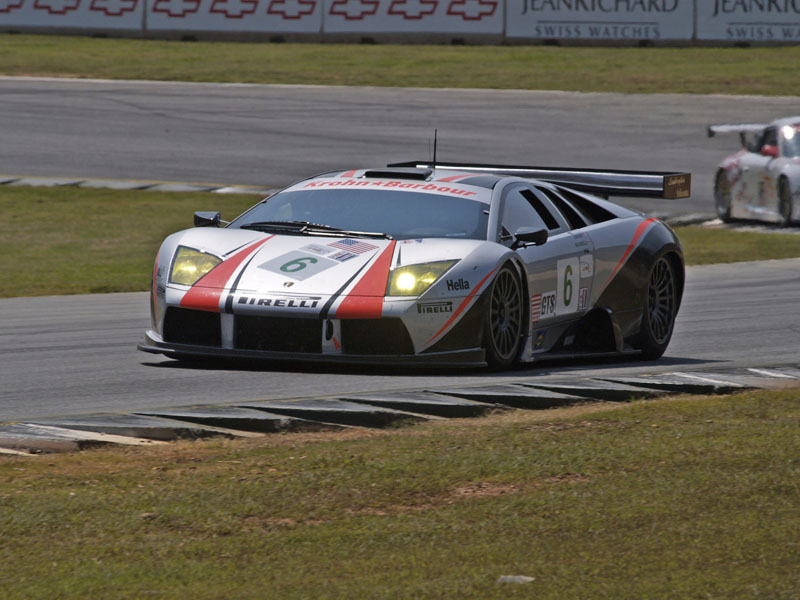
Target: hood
x: 312, y: 267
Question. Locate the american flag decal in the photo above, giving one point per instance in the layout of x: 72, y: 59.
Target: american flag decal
x: 355, y: 246
x: 536, y: 307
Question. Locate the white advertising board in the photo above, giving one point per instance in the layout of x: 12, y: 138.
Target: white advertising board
x: 749, y: 20
x: 248, y: 16
x: 600, y: 19
x: 73, y: 14
x: 414, y: 16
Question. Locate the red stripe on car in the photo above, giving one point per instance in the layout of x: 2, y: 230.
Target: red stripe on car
x: 461, y: 307
x: 365, y: 300
x: 636, y: 235
x: 207, y: 291
x: 348, y: 174
x: 456, y: 177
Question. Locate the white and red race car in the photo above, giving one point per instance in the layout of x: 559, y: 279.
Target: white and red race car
x: 762, y: 180
x: 422, y: 264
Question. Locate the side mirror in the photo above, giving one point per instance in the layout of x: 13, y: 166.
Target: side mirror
x: 529, y: 235
x: 770, y: 151
x: 207, y: 219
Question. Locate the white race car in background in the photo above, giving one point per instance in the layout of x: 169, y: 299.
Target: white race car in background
x: 762, y: 180
x: 427, y: 265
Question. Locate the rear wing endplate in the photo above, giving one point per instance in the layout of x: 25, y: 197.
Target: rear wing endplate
x: 650, y: 184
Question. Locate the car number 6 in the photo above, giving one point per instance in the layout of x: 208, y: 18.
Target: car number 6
x: 567, y: 285
x: 298, y: 264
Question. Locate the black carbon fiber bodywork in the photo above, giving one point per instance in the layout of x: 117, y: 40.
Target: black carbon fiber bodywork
x: 625, y: 295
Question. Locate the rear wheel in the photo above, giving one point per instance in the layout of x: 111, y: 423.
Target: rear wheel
x: 660, y: 307
x: 503, y: 319
x: 722, y: 196
x: 784, y: 202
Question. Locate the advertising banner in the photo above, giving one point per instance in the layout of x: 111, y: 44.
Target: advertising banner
x: 600, y: 19
x: 414, y: 16
x: 73, y: 14
x: 749, y: 20
x: 247, y: 16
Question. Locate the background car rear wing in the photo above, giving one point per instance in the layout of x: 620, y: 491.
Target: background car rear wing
x: 652, y: 184
x: 741, y: 128
x: 746, y: 131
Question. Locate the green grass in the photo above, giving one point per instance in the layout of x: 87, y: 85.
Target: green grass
x: 70, y: 240
x: 704, y: 246
x: 677, y: 498
x: 76, y: 241
x: 767, y: 71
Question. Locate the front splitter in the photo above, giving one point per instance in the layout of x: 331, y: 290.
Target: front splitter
x: 471, y: 357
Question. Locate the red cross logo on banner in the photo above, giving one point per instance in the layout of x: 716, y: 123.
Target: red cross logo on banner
x: 113, y: 8
x: 56, y: 7
x: 472, y: 10
x: 176, y: 8
x: 292, y: 9
x: 413, y: 9
x: 234, y: 9
x: 354, y: 10
x: 9, y: 5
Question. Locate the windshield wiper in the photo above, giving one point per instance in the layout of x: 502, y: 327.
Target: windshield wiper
x: 309, y: 228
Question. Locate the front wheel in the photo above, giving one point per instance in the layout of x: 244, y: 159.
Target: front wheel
x: 722, y: 197
x: 503, y: 319
x: 784, y: 202
x: 660, y: 308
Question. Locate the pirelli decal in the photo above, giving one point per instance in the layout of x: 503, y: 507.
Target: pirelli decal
x: 432, y: 308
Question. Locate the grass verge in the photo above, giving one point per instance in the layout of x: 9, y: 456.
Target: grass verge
x: 72, y: 240
x: 763, y: 71
x: 686, y: 497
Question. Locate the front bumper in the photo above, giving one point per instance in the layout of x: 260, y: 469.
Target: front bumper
x: 470, y: 357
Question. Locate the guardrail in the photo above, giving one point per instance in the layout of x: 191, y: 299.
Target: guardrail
x: 676, y: 22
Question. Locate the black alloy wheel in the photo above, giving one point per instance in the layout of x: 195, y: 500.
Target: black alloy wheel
x: 722, y: 197
x: 504, y: 315
x: 784, y: 202
x: 660, y: 308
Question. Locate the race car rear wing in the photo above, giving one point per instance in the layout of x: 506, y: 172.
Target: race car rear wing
x: 650, y: 184
x: 741, y: 128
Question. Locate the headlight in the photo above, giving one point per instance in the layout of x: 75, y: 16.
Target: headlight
x: 415, y: 279
x: 189, y: 265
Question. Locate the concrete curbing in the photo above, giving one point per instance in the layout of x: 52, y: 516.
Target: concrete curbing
x: 379, y: 410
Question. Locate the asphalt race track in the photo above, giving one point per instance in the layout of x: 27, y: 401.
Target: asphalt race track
x: 69, y: 355
x: 76, y: 354
x: 269, y: 136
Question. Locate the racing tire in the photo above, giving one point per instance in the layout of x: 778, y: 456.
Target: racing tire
x: 659, y: 309
x: 503, y: 319
x: 722, y: 197
x: 784, y: 202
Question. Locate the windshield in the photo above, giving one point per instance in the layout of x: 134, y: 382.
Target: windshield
x: 791, y: 141
x: 402, y: 215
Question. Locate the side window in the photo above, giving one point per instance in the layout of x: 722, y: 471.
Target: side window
x: 518, y: 212
x: 771, y: 137
x: 539, y: 207
x: 768, y: 137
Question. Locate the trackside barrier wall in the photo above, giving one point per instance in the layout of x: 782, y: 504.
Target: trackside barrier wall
x: 680, y: 22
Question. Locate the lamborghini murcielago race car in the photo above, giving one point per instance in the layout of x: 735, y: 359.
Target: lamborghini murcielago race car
x: 426, y: 264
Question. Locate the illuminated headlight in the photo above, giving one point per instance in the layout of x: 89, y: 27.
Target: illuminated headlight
x: 789, y: 132
x: 189, y: 265
x: 412, y: 280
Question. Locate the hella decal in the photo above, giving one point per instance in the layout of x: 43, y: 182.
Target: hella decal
x: 457, y: 285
